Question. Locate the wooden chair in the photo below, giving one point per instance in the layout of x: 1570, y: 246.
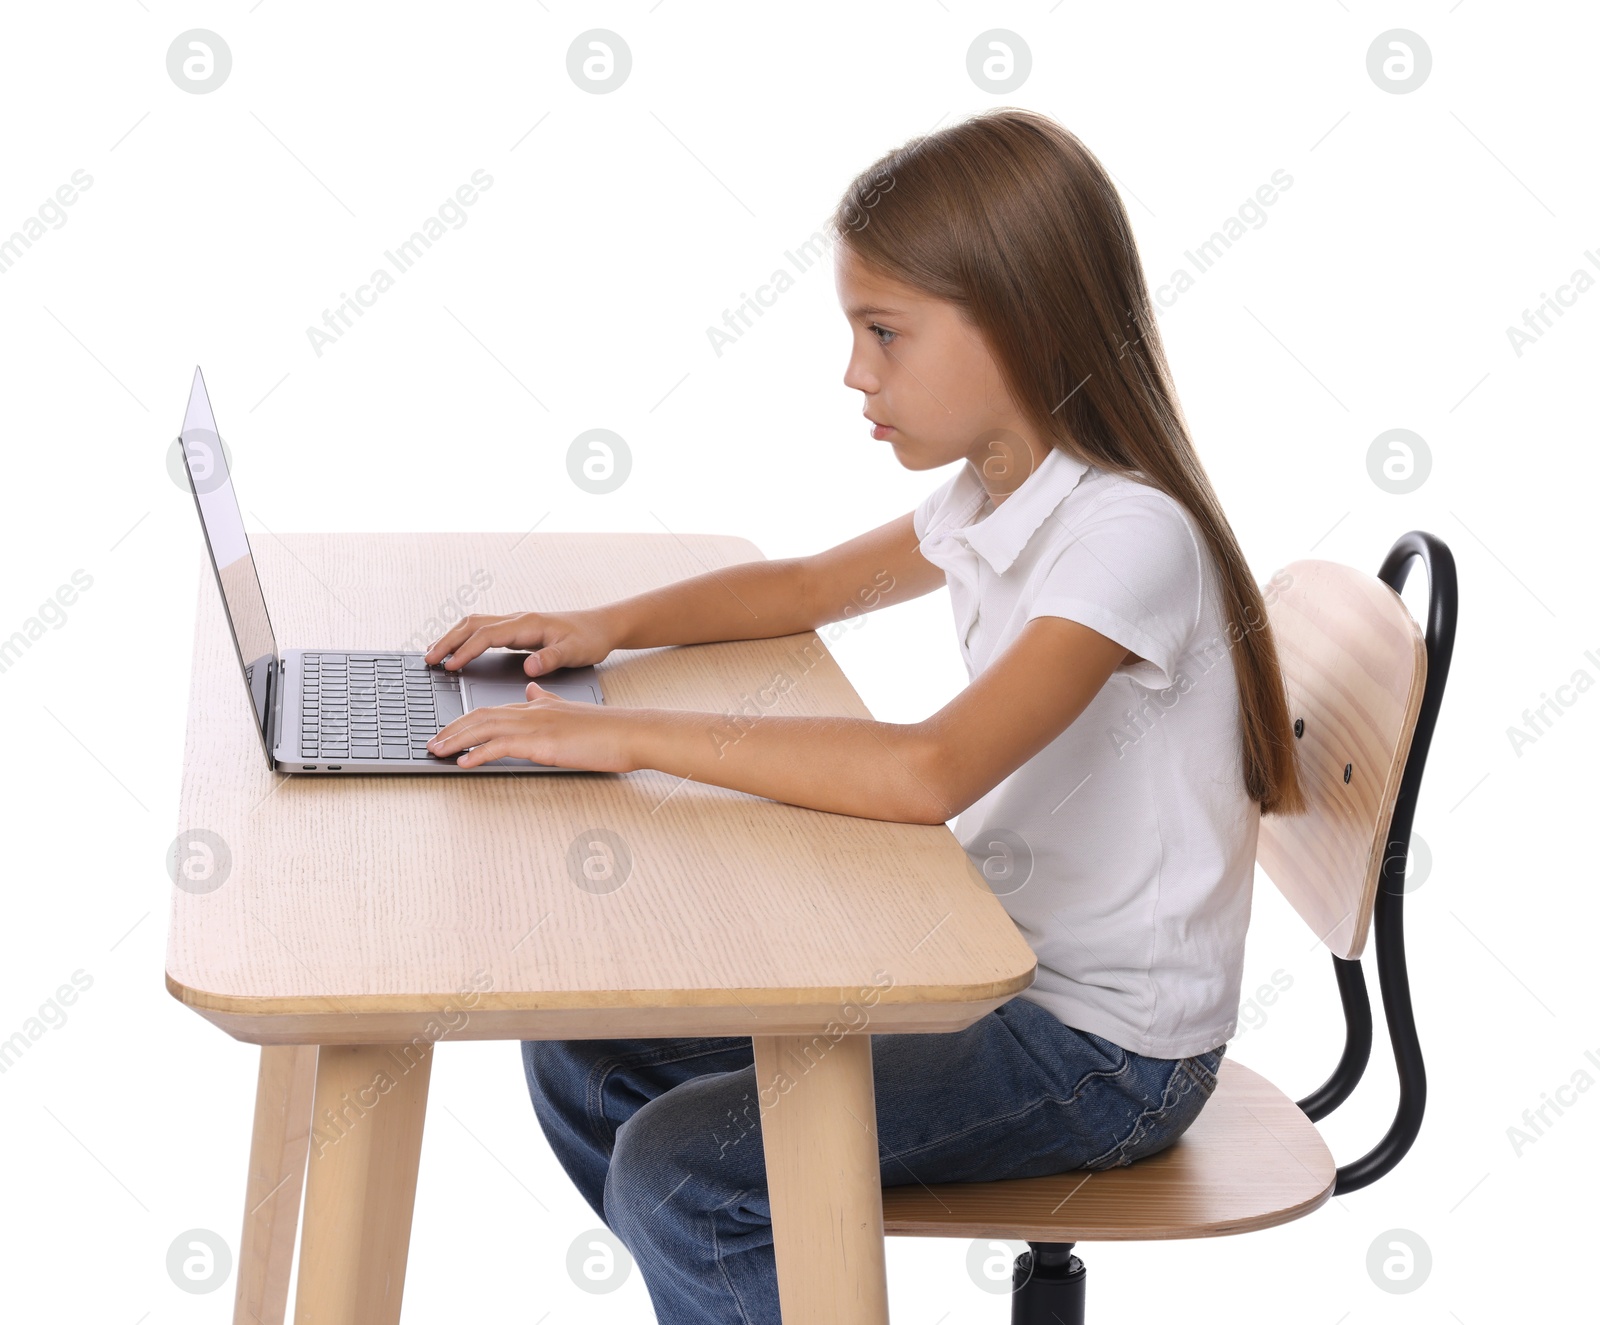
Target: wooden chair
x: 1364, y: 690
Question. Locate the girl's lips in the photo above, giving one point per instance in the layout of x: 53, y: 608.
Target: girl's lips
x: 881, y: 431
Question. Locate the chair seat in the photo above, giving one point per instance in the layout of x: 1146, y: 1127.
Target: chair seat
x: 1250, y: 1160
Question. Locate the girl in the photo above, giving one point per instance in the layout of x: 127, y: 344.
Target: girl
x: 1124, y: 726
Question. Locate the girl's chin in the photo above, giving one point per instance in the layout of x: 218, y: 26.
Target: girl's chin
x: 914, y: 457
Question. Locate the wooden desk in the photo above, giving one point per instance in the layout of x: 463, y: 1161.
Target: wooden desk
x: 361, y: 919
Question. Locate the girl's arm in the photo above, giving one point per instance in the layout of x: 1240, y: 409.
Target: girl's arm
x: 753, y: 600
x: 763, y: 599
x: 925, y: 772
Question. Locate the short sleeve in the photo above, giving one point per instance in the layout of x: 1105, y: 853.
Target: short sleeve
x: 1132, y: 570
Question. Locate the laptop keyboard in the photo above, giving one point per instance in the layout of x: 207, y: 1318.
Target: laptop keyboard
x: 373, y: 705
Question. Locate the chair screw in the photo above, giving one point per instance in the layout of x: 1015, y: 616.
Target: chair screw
x: 1347, y: 769
x: 1299, y: 728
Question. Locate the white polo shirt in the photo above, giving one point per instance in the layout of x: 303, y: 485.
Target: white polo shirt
x: 1125, y: 849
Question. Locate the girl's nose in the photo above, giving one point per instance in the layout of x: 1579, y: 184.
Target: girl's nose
x: 858, y: 378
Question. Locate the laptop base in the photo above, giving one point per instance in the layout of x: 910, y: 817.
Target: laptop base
x: 349, y: 711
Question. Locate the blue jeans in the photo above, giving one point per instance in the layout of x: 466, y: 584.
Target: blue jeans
x: 663, y: 1137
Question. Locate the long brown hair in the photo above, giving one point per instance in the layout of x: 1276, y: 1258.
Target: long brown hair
x: 1010, y: 217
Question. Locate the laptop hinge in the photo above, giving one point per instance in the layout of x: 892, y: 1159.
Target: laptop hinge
x: 274, y: 698
x: 276, y: 703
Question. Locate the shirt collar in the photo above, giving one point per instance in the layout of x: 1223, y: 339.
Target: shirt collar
x: 1001, y: 535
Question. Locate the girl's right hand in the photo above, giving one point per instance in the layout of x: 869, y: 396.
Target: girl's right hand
x: 558, y: 639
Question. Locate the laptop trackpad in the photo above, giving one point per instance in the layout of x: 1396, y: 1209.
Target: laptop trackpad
x: 500, y: 680
x: 511, y: 687
x: 487, y: 694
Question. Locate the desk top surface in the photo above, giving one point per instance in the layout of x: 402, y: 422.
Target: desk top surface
x: 351, y: 897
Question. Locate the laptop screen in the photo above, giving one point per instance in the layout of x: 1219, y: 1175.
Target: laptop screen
x: 230, y: 555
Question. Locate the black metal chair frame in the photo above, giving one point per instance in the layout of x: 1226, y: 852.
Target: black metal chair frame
x: 1048, y: 1280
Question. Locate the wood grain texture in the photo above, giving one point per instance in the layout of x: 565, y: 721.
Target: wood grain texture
x: 361, y: 1183
x: 820, y: 1138
x: 1250, y: 1160
x: 363, y: 909
x: 278, y: 1147
x: 1354, y: 662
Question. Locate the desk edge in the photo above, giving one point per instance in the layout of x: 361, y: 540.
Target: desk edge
x: 382, y: 1018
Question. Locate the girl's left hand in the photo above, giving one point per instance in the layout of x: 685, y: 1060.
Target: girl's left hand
x: 548, y: 730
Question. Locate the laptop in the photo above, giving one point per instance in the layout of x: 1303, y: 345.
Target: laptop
x: 343, y: 711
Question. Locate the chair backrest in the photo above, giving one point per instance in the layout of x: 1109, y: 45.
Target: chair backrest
x: 1355, y: 665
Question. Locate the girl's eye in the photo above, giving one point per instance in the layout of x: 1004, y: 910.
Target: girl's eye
x: 874, y: 328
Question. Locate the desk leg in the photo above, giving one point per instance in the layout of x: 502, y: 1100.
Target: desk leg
x: 819, y: 1127
x: 361, y: 1182
x: 277, y: 1172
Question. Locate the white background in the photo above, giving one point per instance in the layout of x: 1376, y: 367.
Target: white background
x: 618, y: 228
